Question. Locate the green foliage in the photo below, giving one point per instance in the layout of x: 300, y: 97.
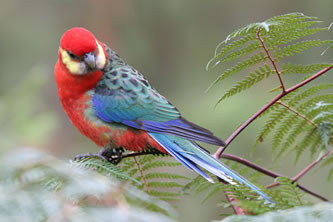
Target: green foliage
x: 286, y: 196
x: 278, y: 35
x: 150, y: 171
x: 320, y: 212
x: 102, y: 167
x: 304, y: 124
x: 38, y: 187
x: 302, y: 120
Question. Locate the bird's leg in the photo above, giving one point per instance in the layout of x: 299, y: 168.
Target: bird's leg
x: 109, y: 153
x: 112, y: 155
x: 81, y: 156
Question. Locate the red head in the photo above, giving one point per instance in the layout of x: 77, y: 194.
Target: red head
x: 81, y: 61
x: 81, y: 52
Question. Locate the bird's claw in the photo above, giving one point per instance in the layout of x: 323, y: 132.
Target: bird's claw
x: 112, y: 155
x: 81, y: 156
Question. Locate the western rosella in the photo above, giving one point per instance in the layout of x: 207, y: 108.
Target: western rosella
x: 113, y: 104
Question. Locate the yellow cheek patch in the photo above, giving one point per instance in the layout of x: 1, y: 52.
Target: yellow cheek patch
x: 75, y: 67
x: 100, y: 58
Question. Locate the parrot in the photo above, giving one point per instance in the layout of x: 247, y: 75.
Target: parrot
x: 112, y: 104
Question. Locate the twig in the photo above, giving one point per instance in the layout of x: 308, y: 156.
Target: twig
x: 219, y: 152
x: 270, y: 173
x: 304, y: 171
x: 310, y: 166
x: 272, y: 61
x: 312, y: 193
x: 251, y: 165
x: 237, y: 209
x: 297, y: 113
x: 231, y: 200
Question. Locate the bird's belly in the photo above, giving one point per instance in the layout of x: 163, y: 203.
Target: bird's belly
x: 83, y: 117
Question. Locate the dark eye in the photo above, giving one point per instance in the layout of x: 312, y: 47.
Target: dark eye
x: 72, y: 55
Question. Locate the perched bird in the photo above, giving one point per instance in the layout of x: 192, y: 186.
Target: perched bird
x: 114, y: 105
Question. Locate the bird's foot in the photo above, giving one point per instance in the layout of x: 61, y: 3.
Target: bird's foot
x: 112, y: 155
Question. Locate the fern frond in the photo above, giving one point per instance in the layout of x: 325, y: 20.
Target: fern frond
x: 325, y: 130
x: 255, y: 59
x: 233, y: 45
x: 102, y: 167
x: 299, y: 124
x: 288, y: 34
x: 153, y: 180
x: 303, y: 69
x: 308, y: 140
x: 316, y: 145
x: 160, y: 164
x: 283, y: 129
x: 299, y: 47
x: 163, y: 175
x: 249, y: 81
x: 308, y: 93
x: 275, y: 117
x: 164, y: 184
x: 300, y: 127
x: 157, y: 193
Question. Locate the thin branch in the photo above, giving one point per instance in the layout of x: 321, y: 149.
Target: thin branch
x: 304, y: 171
x: 272, y: 173
x: 306, y: 190
x: 272, y: 61
x: 310, y: 166
x: 298, y: 114
x: 219, y: 152
x: 251, y: 165
x: 231, y: 200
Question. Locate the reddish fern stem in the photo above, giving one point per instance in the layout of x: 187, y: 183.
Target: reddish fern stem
x: 270, y: 173
x: 219, y: 152
x: 298, y: 114
x: 272, y: 61
x: 304, y: 171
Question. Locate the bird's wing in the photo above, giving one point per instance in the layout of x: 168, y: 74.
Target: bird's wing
x: 124, y: 96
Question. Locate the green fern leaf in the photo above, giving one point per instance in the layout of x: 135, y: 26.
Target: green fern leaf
x: 299, y: 47
x: 102, y: 167
x: 163, y: 175
x: 240, y: 66
x: 164, y: 184
x: 248, y: 82
x: 302, y: 69
x: 307, y: 141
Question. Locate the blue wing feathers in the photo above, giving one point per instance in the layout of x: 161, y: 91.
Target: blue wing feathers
x: 188, y: 151
x: 172, y: 148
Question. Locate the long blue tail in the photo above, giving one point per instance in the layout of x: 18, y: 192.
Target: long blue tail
x: 192, y: 156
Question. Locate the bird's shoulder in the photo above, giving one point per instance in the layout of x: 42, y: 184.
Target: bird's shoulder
x: 123, y: 78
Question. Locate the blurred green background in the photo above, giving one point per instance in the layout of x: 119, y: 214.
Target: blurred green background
x: 170, y: 42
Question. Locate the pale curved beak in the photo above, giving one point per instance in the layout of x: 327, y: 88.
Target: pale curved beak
x: 90, y: 60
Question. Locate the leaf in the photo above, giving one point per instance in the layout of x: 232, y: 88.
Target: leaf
x: 319, y: 212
